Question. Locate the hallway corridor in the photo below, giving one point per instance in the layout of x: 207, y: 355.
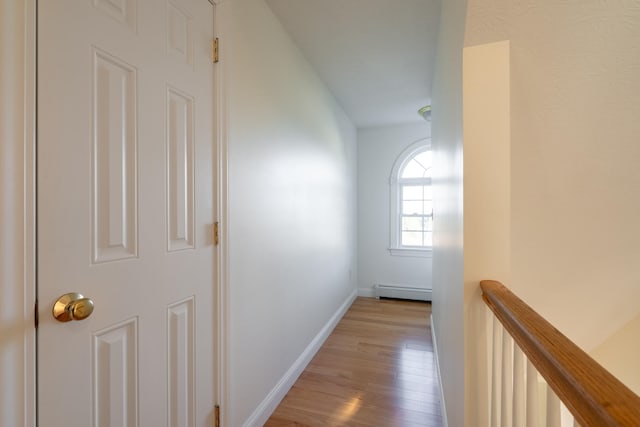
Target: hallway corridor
x: 376, y: 369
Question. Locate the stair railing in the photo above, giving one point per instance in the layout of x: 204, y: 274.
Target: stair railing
x: 541, y: 378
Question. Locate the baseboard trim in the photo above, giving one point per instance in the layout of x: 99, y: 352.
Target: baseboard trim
x: 262, y: 413
x: 443, y: 408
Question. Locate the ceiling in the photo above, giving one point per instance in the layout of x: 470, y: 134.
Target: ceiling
x: 375, y: 56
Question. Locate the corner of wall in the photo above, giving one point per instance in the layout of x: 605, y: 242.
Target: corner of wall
x: 487, y: 204
x: 443, y: 404
x: 448, y: 262
x: 366, y: 292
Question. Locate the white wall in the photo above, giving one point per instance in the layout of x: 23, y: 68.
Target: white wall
x: 487, y: 206
x: 292, y: 236
x: 620, y: 353
x: 17, y: 244
x: 574, y: 158
x: 378, y: 149
x: 567, y: 240
x: 448, y: 289
x: 575, y: 175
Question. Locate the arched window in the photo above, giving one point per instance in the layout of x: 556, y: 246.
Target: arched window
x: 412, y: 201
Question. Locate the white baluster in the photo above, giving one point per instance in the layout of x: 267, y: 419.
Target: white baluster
x: 566, y: 416
x: 519, y: 410
x: 553, y: 409
x: 496, y: 373
x: 533, y: 403
x: 506, y: 416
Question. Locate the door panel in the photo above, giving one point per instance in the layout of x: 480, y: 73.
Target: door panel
x: 114, y: 199
x: 125, y: 211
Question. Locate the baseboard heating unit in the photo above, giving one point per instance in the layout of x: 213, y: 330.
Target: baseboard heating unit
x: 401, y: 292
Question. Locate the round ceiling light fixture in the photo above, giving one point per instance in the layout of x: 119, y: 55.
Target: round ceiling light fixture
x: 425, y: 112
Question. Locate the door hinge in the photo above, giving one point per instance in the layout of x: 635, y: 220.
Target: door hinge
x: 35, y: 315
x: 216, y: 233
x: 215, y: 53
x: 216, y: 422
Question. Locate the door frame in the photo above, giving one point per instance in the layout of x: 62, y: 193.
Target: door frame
x: 17, y: 200
x: 221, y: 213
x: 18, y: 140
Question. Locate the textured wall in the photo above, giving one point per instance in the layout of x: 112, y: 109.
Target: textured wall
x: 575, y: 178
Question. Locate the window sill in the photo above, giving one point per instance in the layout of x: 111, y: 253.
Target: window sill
x: 412, y: 252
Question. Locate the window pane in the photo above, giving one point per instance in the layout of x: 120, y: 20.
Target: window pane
x: 424, y: 159
x: 428, y: 239
x: 428, y: 207
x: 412, y: 223
x: 412, y: 192
x: 412, y: 208
x: 416, y: 206
x: 428, y: 223
x: 428, y: 192
x: 413, y: 169
x: 411, y: 238
x: 418, y: 167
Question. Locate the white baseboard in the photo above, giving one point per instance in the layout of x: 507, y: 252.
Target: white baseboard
x: 262, y: 413
x: 443, y: 406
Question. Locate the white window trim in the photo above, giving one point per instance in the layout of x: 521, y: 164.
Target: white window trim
x: 412, y: 252
x: 395, y: 248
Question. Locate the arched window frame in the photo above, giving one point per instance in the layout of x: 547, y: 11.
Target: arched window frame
x: 395, y: 181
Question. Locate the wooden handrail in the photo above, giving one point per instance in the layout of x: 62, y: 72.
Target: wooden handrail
x: 590, y: 392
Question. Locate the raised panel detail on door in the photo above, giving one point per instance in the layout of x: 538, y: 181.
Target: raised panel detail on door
x: 115, y: 375
x: 180, y: 173
x: 179, y: 39
x: 114, y: 175
x: 126, y: 201
x: 123, y: 11
x: 180, y: 360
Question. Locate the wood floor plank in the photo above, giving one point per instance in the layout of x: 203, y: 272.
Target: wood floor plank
x: 375, y: 369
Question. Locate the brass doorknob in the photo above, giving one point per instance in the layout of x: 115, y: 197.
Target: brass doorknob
x: 72, y: 306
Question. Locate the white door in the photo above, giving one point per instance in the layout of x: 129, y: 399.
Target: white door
x: 125, y: 212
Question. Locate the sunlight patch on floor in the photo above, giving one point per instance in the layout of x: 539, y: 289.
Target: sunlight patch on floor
x: 348, y: 410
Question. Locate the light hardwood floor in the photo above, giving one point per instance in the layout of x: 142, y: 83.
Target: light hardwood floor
x: 376, y: 369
